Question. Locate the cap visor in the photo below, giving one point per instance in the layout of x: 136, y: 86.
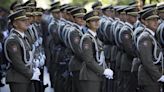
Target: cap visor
x: 56, y: 10
x: 93, y: 18
x: 79, y: 15
x: 152, y: 17
x: 21, y: 18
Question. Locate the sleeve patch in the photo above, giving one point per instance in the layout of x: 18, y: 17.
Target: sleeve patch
x: 14, y: 48
x: 86, y: 46
x: 145, y: 43
x: 76, y: 40
x: 127, y: 36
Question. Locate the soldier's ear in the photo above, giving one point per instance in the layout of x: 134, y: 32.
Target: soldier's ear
x: 87, y: 23
x: 146, y: 23
x: 15, y: 24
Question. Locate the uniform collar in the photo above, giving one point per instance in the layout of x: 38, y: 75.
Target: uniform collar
x: 110, y: 19
x: 92, y: 32
x: 20, y: 33
x: 69, y: 22
x: 55, y: 20
x: 116, y: 18
x: 160, y: 21
x: 121, y: 22
x: 150, y: 31
x: 78, y: 26
x: 130, y: 25
x: 103, y: 16
x: 62, y: 19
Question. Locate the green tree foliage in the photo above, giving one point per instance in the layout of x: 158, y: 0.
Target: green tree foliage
x: 82, y: 2
x: 124, y: 2
x: 6, y: 3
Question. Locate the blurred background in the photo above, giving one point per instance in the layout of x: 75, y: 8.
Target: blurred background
x: 86, y: 3
x: 45, y: 4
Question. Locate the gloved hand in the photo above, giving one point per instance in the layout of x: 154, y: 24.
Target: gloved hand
x: 36, y: 62
x: 1, y: 47
x: 108, y: 73
x: 36, y: 74
x: 44, y: 56
x: 109, y: 77
x: 161, y: 79
x: 42, y: 62
x: 36, y: 44
x: 40, y: 40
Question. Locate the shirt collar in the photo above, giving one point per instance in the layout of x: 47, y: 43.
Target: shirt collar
x: 92, y: 32
x: 20, y: 33
x: 150, y: 31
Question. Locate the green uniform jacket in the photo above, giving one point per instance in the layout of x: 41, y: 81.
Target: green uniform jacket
x: 18, y: 72
x: 75, y: 62
x: 90, y: 68
x: 149, y: 73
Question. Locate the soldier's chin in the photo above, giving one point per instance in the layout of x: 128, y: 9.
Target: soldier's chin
x: 26, y: 28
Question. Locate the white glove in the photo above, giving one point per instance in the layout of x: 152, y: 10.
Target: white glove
x: 36, y: 62
x: 42, y: 61
x: 1, y: 47
x: 109, y: 77
x: 161, y: 79
x: 44, y: 56
x: 36, y: 44
x: 36, y: 74
x: 108, y: 73
x: 40, y: 40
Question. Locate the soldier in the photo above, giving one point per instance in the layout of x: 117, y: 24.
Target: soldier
x: 38, y: 19
x: 140, y: 21
x: 127, y: 83
x: 39, y: 50
x: 107, y: 12
x: 1, y: 58
x: 116, y: 49
x: 14, y: 6
x: 63, y: 13
x: 105, y: 24
x: 160, y: 11
x: 151, y: 57
x: 30, y: 33
x: 79, y: 22
x: 61, y: 53
x: 69, y: 17
x: 138, y: 29
x: 78, y: 14
x: 97, y: 6
x: 93, y: 67
x: 159, y: 31
x: 75, y: 36
x: 18, y: 52
x: 54, y: 39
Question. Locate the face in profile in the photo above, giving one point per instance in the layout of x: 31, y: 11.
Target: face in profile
x: 152, y: 23
x: 93, y: 24
x: 79, y: 20
x: 56, y: 15
x: 21, y: 24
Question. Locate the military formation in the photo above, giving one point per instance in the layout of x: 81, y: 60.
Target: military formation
x: 109, y: 49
